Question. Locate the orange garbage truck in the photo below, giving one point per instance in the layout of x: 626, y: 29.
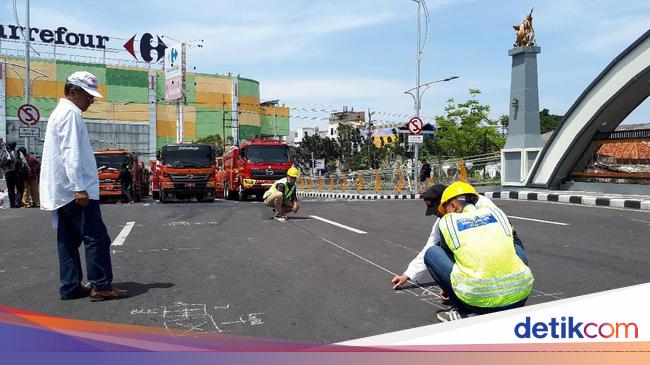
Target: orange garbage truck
x: 253, y: 166
x: 187, y: 171
x: 109, y: 163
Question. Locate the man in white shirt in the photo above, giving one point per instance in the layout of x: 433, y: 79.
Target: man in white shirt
x: 69, y: 187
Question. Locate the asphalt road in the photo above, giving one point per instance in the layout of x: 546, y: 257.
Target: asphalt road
x: 227, y: 267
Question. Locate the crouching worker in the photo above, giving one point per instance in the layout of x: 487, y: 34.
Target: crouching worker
x: 282, y: 196
x: 480, y: 264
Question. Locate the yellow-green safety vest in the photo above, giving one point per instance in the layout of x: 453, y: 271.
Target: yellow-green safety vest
x: 287, y: 191
x: 487, y: 273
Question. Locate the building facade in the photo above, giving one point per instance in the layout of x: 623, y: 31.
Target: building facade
x: 133, y: 113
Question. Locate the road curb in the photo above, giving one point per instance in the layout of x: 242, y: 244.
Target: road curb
x: 601, y: 201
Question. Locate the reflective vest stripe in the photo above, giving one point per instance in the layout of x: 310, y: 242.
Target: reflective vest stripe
x: 452, y: 231
x: 499, y: 285
x: 501, y: 218
x: 473, y: 294
x: 518, y: 275
x: 289, y: 192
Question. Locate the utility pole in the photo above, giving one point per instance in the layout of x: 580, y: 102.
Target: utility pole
x: 417, y: 99
x: 181, y: 101
x: 27, y: 35
x: 371, y: 157
x: 275, y: 124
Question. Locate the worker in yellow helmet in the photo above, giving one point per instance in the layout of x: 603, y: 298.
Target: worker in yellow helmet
x: 282, y: 196
x: 480, y: 263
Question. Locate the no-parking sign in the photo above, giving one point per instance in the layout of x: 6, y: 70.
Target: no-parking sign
x: 28, y: 115
x: 415, y: 125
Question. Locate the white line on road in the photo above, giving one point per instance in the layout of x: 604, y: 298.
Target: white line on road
x: 378, y: 266
x: 338, y: 224
x: 119, y: 240
x: 538, y: 220
x: 398, y: 245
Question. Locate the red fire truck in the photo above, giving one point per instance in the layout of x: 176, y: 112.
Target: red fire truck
x: 188, y: 170
x: 109, y: 163
x: 251, y: 167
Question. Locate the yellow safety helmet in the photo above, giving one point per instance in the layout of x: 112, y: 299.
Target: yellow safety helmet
x: 292, y: 172
x: 456, y: 189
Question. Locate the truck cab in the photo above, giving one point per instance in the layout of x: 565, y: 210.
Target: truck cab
x: 187, y: 170
x: 253, y: 166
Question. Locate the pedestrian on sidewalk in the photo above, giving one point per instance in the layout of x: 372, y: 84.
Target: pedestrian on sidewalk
x: 14, y: 169
x: 69, y: 188
x: 31, y: 181
x: 425, y: 174
x: 126, y: 182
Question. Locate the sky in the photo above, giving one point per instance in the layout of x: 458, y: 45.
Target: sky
x: 318, y: 56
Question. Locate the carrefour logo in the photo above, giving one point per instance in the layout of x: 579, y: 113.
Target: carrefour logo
x: 568, y: 327
x: 173, y: 55
x: 146, y: 47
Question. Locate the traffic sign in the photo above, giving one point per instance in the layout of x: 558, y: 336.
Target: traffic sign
x: 416, y: 138
x: 29, y: 132
x: 415, y: 125
x: 28, y: 114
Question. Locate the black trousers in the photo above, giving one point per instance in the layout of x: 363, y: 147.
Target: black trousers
x: 15, y: 187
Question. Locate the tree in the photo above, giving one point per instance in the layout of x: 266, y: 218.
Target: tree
x: 350, y: 142
x: 322, y: 148
x: 215, y: 141
x: 466, y: 130
x: 547, y: 121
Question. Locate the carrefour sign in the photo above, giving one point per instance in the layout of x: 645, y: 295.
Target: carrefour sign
x: 59, y: 36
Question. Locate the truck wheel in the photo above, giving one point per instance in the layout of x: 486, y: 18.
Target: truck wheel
x: 225, y: 190
x: 241, y: 194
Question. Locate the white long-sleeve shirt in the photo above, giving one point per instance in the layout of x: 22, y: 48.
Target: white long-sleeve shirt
x: 68, y: 163
x: 417, y: 268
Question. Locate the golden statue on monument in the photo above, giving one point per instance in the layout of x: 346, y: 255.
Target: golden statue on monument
x: 525, y: 35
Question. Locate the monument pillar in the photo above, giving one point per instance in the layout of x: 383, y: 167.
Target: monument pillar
x: 524, y: 141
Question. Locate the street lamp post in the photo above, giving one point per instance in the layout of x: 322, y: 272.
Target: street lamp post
x: 417, y: 101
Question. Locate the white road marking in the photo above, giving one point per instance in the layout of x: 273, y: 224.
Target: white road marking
x: 538, y: 220
x: 398, y: 245
x: 338, y: 224
x: 119, y: 240
x: 378, y: 266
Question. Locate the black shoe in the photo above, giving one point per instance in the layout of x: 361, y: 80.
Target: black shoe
x: 82, y: 292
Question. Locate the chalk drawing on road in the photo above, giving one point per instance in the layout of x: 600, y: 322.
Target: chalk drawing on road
x: 187, y: 224
x: 252, y: 319
x: 183, y: 319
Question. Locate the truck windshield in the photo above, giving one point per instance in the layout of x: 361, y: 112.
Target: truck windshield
x: 111, y: 160
x: 267, y: 154
x: 187, y: 156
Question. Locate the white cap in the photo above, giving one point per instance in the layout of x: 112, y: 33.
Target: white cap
x: 86, y: 81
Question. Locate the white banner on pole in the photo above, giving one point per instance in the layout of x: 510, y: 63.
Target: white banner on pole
x: 173, y: 73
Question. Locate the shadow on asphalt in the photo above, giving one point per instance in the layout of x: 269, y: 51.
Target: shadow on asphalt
x: 136, y: 289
